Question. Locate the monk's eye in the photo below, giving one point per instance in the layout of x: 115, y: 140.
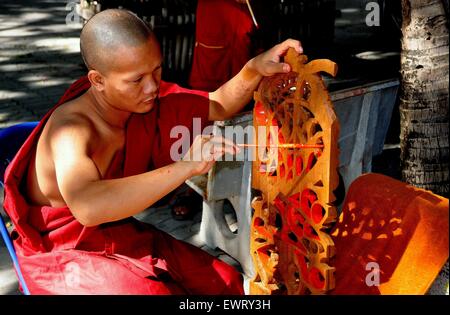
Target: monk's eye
x: 137, y: 80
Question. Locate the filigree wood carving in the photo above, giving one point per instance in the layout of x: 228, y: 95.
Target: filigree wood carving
x: 290, y: 246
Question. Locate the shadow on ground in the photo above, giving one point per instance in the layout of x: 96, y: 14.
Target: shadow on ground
x: 39, y: 58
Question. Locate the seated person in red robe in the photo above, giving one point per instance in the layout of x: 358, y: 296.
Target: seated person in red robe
x: 102, y: 155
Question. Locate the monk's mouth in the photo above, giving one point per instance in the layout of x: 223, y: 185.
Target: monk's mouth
x: 149, y: 100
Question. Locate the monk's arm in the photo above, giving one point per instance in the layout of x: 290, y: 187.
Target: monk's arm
x: 93, y: 200
x: 233, y: 95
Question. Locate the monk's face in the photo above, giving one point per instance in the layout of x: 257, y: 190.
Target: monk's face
x: 132, y: 81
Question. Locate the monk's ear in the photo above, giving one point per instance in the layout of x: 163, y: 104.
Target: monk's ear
x: 97, y: 80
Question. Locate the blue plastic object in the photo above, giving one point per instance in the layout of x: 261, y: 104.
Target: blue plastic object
x: 11, y: 139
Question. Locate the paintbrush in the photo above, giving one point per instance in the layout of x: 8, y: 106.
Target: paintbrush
x: 284, y: 145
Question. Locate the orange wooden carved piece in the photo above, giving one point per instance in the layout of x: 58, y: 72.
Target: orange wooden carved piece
x: 290, y: 245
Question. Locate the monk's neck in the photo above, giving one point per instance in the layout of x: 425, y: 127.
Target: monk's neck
x: 109, y: 114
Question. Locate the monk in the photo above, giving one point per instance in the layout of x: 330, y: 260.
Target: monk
x: 102, y: 155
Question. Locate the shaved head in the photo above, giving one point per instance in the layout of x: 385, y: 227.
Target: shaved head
x: 108, y: 31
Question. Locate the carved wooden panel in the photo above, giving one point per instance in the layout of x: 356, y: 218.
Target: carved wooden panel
x: 290, y: 246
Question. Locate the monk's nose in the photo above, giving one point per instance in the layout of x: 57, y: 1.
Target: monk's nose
x: 150, y: 85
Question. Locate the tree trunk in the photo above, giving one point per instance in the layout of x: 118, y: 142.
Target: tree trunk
x: 424, y: 96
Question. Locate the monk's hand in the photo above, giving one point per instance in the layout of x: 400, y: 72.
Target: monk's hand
x: 206, y: 150
x: 269, y: 63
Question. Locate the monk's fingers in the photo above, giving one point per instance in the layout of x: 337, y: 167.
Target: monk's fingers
x: 219, y: 153
x: 202, y: 138
x: 220, y: 139
x: 276, y: 67
x: 269, y: 63
x: 215, y: 152
x: 230, y: 149
x: 207, y: 137
x: 224, y: 150
x: 207, y: 152
x: 208, y: 166
x: 226, y: 143
x: 289, y: 43
x: 212, y: 151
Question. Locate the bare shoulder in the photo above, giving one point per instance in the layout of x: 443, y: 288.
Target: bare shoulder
x: 68, y: 133
x: 70, y: 122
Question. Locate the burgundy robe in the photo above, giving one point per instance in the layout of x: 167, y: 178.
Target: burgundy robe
x: 58, y: 255
x: 222, y: 42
